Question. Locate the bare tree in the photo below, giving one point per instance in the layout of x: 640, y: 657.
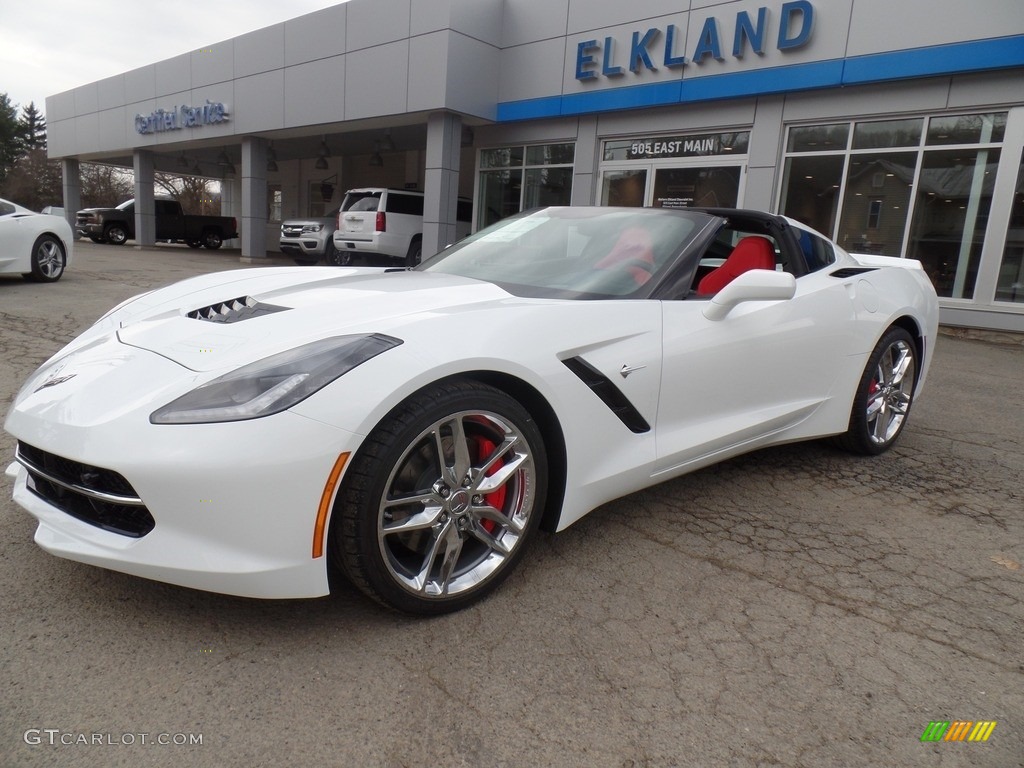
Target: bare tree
x: 195, y: 194
x: 104, y: 186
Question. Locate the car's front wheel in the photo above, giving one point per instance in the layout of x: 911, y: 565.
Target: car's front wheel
x: 884, y: 395
x: 441, y: 501
x: 116, y: 234
x: 48, y: 260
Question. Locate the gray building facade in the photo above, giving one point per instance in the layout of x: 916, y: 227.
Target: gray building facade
x: 896, y: 128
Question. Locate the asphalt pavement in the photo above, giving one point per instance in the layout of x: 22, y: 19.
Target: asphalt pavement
x: 794, y: 607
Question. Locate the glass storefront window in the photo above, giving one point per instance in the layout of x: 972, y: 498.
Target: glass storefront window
x: 673, y: 146
x: 551, y: 154
x: 810, y: 190
x: 876, y: 201
x: 916, y: 187
x: 1010, y: 286
x: 513, y: 179
x: 274, y: 201
x: 966, y: 129
x: 547, y: 186
x: 625, y: 188
x: 499, y: 195
x: 950, y: 213
x: 502, y: 157
x: 888, y: 133
x: 818, y: 138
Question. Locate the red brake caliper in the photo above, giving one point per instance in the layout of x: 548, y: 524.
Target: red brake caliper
x: 495, y: 499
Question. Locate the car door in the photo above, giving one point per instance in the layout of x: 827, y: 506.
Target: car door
x: 16, y: 235
x: 767, y: 366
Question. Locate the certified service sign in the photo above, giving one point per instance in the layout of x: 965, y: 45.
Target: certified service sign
x: 181, y: 117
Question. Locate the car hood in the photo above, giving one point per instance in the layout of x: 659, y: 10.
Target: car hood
x: 229, y: 319
x: 325, y: 220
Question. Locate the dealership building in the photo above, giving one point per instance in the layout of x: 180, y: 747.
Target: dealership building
x: 896, y: 128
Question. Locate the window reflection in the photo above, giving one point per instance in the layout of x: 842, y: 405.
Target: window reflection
x: 876, y: 201
x: 950, y: 213
x: 1010, y: 286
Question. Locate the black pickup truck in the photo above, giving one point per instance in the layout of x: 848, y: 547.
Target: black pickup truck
x: 116, y: 225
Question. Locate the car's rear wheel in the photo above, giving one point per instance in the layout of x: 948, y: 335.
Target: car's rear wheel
x: 884, y: 395
x: 337, y: 258
x: 116, y: 234
x: 441, y: 501
x: 212, y: 239
x: 48, y: 260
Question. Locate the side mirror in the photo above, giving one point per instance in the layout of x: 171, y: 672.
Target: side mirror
x: 755, y: 285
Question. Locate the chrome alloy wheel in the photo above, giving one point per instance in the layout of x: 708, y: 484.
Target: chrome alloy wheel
x: 890, y: 392
x: 456, y: 504
x: 49, y: 259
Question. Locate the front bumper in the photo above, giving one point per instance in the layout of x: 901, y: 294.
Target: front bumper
x: 306, y: 246
x: 88, y: 230
x: 234, y: 505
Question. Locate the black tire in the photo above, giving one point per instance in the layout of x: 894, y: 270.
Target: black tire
x: 415, y: 254
x: 212, y: 239
x: 454, y: 544
x: 884, y: 395
x: 337, y: 258
x: 48, y: 260
x: 193, y: 244
x: 116, y: 234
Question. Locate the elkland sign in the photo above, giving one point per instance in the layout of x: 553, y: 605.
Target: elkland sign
x: 181, y: 117
x: 594, y: 58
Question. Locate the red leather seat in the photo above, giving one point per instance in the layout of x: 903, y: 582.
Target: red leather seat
x: 750, y: 253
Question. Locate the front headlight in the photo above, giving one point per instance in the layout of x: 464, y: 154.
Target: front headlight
x: 275, y: 383
x: 312, y: 227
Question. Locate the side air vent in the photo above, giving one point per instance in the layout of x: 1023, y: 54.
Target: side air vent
x: 846, y: 272
x: 610, y: 395
x: 234, y: 310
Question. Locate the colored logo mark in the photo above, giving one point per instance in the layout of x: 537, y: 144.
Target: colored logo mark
x: 958, y: 730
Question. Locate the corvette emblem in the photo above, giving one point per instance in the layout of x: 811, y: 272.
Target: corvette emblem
x: 53, y: 381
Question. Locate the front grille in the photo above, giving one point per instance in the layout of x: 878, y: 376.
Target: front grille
x: 94, y: 495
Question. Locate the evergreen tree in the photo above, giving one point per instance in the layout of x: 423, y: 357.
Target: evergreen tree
x: 33, y: 128
x: 10, y: 135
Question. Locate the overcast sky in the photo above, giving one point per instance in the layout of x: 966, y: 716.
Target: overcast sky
x: 49, y: 46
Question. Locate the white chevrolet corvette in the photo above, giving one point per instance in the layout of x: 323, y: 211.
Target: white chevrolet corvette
x: 35, y: 245
x: 251, y: 432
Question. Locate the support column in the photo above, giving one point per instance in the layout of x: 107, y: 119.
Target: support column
x: 253, y: 224
x: 584, y: 178
x: 72, y: 183
x: 441, y: 181
x: 145, y: 210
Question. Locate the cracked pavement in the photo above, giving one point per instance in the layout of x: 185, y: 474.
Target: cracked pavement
x: 794, y: 607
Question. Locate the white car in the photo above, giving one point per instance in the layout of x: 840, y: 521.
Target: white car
x: 251, y: 432
x: 35, y: 245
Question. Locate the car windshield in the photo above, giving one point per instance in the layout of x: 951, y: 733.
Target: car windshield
x: 574, y: 252
x: 125, y: 205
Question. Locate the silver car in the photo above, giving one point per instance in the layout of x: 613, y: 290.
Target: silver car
x: 311, y: 240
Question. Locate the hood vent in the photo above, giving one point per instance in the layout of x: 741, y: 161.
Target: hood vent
x: 234, y: 310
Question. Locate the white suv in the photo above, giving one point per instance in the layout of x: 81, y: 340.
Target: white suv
x: 387, y: 223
